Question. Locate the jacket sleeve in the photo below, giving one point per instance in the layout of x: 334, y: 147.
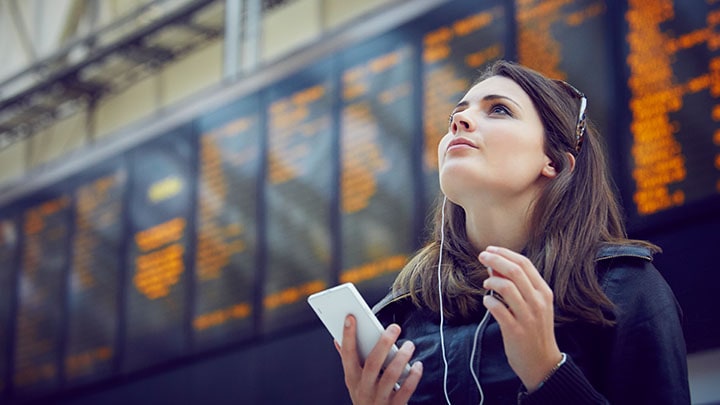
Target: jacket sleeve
x: 567, y: 385
x: 648, y: 362
x: 647, y: 356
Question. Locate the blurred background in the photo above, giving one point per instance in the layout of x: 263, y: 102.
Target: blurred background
x: 177, y: 176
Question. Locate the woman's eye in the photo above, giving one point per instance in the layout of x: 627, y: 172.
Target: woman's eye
x: 500, y: 109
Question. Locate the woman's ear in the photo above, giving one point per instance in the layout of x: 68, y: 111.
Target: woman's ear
x: 571, y: 160
x: 551, y: 172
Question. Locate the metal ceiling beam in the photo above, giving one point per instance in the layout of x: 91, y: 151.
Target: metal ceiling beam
x: 64, y: 83
x: 22, y: 30
x: 133, y: 47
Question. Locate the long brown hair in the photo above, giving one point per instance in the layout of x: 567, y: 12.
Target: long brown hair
x: 574, y: 215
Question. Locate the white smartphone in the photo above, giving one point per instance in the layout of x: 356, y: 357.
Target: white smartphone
x: 334, y: 304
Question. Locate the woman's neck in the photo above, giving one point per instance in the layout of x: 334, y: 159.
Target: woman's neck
x: 503, y: 225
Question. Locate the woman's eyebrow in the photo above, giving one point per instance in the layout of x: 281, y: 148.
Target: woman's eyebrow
x: 491, y: 97
x: 462, y: 104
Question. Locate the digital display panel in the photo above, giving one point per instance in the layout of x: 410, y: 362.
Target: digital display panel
x: 95, y: 268
x: 46, y: 225
x: 673, y: 79
x: 9, y: 244
x: 216, y: 232
x: 226, y: 245
x: 456, y: 44
x: 300, y: 177
x: 569, y: 41
x: 160, y: 207
x: 377, y: 139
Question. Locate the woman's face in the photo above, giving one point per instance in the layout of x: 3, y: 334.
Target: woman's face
x: 494, y: 146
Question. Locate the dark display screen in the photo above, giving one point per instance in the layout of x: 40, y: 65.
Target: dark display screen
x: 46, y: 225
x: 156, y: 284
x: 226, y: 241
x: 570, y: 41
x: 95, y: 268
x: 214, y: 233
x: 9, y: 243
x: 377, y: 144
x: 456, y: 45
x: 673, y: 82
x: 299, y: 183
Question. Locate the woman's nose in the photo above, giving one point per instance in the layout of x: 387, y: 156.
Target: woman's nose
x: 461, y: 122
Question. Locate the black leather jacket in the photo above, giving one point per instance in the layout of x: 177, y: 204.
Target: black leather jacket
x: 640, y: 360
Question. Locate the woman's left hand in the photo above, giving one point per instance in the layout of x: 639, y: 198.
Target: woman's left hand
x: 526, y: 318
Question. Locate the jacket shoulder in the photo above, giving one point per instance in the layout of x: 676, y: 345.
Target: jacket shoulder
x: 611, y: 251
x: 632, y: 282
x: 391, y: 298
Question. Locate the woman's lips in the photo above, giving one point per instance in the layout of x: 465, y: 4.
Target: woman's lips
x: 461, y: 142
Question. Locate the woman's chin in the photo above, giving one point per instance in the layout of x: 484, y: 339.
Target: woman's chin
x: 458, y: 171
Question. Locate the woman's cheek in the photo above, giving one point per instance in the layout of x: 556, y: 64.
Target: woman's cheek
x: 442, y: 147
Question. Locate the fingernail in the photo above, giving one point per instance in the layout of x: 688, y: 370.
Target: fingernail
x: 418, y: 366
x: 347, y: 321
x: 394, y: 328
x: 408, y: 345
x: 492, y: 249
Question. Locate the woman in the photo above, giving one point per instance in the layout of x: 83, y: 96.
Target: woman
x: 577, y: 315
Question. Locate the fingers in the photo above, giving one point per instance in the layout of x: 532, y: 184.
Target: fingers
x: 368, y: 382
x: 501, y: 312
x: 507, y: 280
x: 392, y: 373
x: 518, y: 281
x: 511, y: 265
x: 527, y: 326
x: 349, y: 353
x: 376, y: 359
x: 402, y: 396
x: 516, y: 268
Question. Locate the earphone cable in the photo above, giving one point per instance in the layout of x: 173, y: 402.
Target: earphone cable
x: 442, y: 315
x: 478, y: 331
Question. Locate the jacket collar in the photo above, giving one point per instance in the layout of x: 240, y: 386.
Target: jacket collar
x: 606, y: 252
x: 391, y: 297
x: 610, y: 251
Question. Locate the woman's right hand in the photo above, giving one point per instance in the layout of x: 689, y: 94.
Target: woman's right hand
x: 365, y: 382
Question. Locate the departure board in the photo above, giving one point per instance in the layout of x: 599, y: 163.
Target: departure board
x: 95, y: 268
x: 9, y: 243
x: 214, y: 233
x: 226, y: 245
x: 300, y: 176
x: 377, y: 138
x: 456, y: 44
x: 160, y: 207
x: 673, y: 79
x: 568, y: 40
x: 44, y: 260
